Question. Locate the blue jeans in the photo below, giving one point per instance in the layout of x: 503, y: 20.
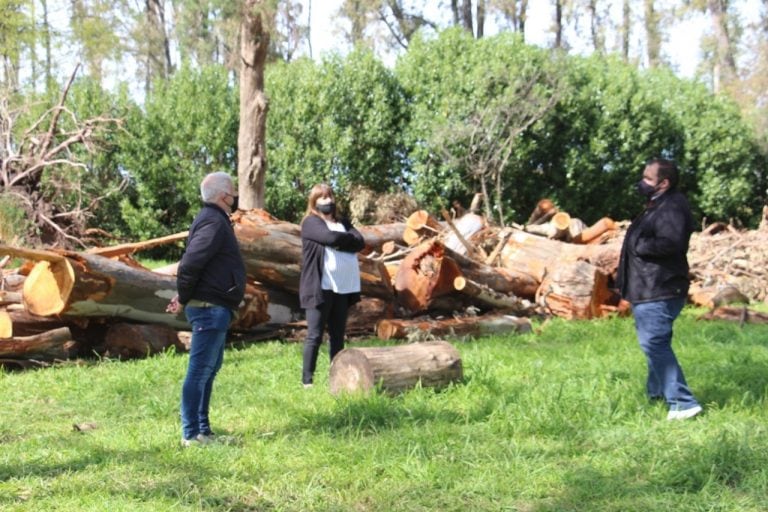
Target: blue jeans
x: 653, y: 323
x: 209, y: 332
x: 333, y: 313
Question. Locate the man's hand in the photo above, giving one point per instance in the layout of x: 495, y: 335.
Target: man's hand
x: 174, y: 306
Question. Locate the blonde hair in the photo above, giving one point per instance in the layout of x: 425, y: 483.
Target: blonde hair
x: 318, y: 191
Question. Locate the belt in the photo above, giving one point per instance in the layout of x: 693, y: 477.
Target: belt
x: 200, y: 304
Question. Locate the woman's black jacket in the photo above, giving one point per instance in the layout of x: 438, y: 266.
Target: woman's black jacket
x: 315, y: 236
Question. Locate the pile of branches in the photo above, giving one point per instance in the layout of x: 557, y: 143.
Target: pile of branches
x: 729, y: 265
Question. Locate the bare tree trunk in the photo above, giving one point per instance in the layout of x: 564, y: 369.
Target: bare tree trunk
x: 466, y: 16
x: 47, y: 44
x: 653, y: 35
x: 725, y: 63
x: 251, y: 139
x: 480, y: 18
x: 455, y: 11
x: 595, y: 28
x: 309, y: 28
x: 523, y: 15
x: 558, y: 24
x: 626, y: 24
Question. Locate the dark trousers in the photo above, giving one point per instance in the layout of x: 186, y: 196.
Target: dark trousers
x: 333, y: 314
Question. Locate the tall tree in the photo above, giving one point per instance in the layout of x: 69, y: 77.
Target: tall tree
x: 652, y: 34
x: 95, y: 26
x: 255, y: 21
x: 596, y: 26
x: 289, y: 33
x: 206, y: 31
x: 719, y: 47
x: 558, y: 24
x: 16, y: 37
x: 401, y: 22
x: 156, y: 47
x: 514, y: 12
x: 626, y: 28
x: 724, y: 70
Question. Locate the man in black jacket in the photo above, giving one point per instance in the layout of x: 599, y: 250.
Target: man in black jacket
x: 653, y: 278
x: 211, y: 284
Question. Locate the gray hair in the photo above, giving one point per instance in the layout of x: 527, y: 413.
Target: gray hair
x: 214, y: 184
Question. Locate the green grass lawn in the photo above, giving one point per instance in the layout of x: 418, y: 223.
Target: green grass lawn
x: 556, y: 420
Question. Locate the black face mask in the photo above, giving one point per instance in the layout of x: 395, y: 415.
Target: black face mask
x: 328, y: 208
x: 645, y: 189
x: 234, y: 202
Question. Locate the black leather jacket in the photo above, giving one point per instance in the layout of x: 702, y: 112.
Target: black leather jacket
x: 653, y: 264
x: 212, y: 269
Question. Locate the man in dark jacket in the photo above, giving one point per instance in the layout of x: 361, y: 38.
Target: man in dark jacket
x: 211, y: 284
x: 653, y: 278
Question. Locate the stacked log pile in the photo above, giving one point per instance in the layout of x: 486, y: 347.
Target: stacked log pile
x: 421, y: 278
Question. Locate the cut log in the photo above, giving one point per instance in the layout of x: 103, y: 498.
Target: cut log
x: 423, y: 275
x: 394, y: 369
x: 535, y: 256
x: 740, y: 314
x: 130, y: 248
x: 594, y: 231
x: 6, y: 325
x: 26, y: 324
x: 9, y: 298
x: 461, y: 230
x: 363, y: 316
x: 47, y: 346
x: 488, y: 296
x: 575, y: 227
x: 503, y: 280
x: 575, y: 290
x: 561, y: 222
x: 558, y: 227
x: 544, y: 211
x: 394, y: 328
x: 420, y: 225
x: 273, y: 257
x: 135, y: 341
x: 89, y: 285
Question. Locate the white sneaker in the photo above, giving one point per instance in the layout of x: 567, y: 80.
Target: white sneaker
x: 198, y: 440
x: 684, y: 414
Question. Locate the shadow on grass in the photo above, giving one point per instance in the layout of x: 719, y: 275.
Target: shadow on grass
x: 376, y: 412
x: 735, y: 378
x: 152, y: 476
x: 703, y: 477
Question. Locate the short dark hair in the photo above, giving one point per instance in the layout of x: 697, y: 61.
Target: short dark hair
x: 666, y: 169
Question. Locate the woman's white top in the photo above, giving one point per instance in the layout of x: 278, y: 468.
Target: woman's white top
x: 341, y: 271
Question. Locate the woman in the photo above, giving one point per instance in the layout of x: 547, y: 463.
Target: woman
x: 330, y: 275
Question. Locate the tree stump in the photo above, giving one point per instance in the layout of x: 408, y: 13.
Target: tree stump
x: 434, y: 364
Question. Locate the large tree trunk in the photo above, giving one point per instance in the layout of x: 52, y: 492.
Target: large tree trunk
x: 576, y: 289
x: 86, y: 285
x: 724, y: 63
x: 46, y: 346
x: 652, y: 34
x: 395, y: 369
x: 429, y: 271
x: 399, y: 329
x: 135, y: 341
x: 251, y: 139
x: 273, y: 256
x: 537, y: 256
